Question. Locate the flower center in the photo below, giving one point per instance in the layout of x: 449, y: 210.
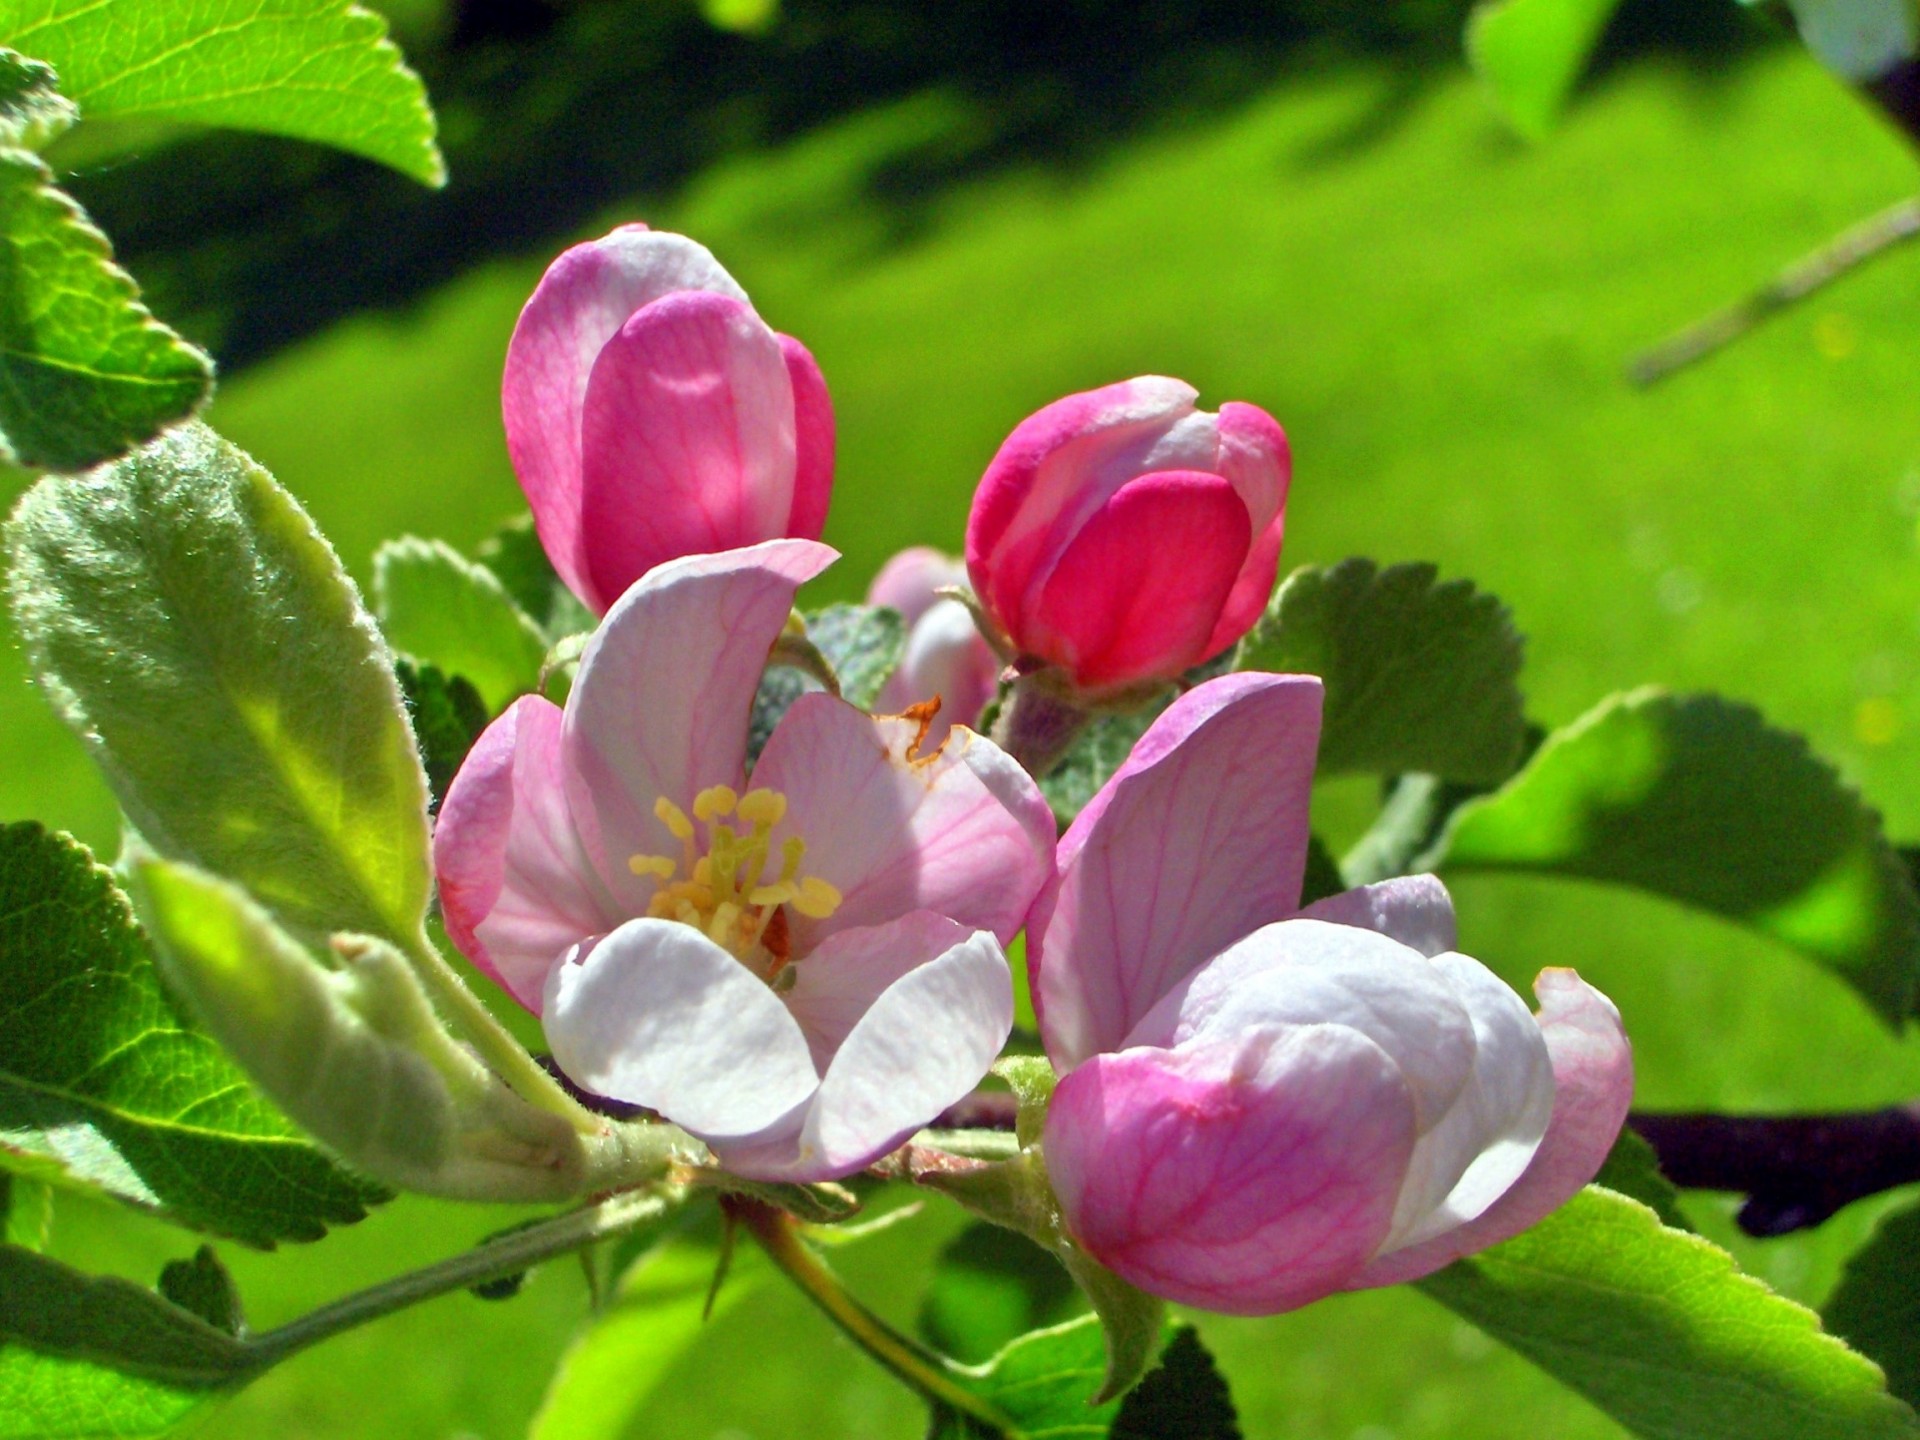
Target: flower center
x: 720, y: 887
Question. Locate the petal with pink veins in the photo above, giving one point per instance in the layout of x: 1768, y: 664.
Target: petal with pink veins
x: 662, y: 701
x: 839, y: 982
x: 1593, y: 1087
x: 687, y: 438
x: 1139, y: 589
x: 1413, y: 909
x: 923, y: 1042
x: 1248, y: 1175
x: 656, y: 1014
x: 580, y: 304
x: 1197, y: 840
x: 956, y: 830
x: 1255, y: 457
x: 516, y: 888
x: 813, y: 438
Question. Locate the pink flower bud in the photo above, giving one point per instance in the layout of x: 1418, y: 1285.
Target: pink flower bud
x: 945, y: 657
x: 650, y: 413
x: 1124, y: 536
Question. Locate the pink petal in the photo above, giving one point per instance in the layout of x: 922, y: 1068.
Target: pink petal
x: 908, y: 580
x: 687, y: 438
x: 661, y: 704
x: 1593, y: 1086
x: 1307, y: 972
x: 1256, y: 459
x: 1139, y: 589
x: 813, y: 435
x: 840, y: 981
x: 581, y: 302
x: 1198, y: 839
x: 1413, y: 909
x: 945, y: 659
x: 516, y: 888
x: 961, y: 831
x: 1248, y: 1176
x: 920, y: 1044
x: 1061, y: 464
x: 656, y: 1014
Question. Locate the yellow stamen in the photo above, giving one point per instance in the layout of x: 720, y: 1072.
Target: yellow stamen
x: 659, y: 865
x: 763, y: 808
x: 817, y: 899
x: 720, y: 928
x: 779, y: 894
x: 674, y: 818
x: 714, y: 800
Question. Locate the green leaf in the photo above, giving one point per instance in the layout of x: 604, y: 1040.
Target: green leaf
x: 319, y: 70
x: 519, y: 562
x: 32, y: 109
x: 83, y: 1356
x: 1663, y: 1332
x: 355, y: 1054
x: 863, y: 643
x: 1700, y: 800
x: 191, y: 624
x: 105, y: 1087
x: 1420, y: 674
x: 1042, y: 1384
x: 448, y: 716
x: 442, y: 609
x: 1876, y: 1306
x: 201, y: 1286
x: 26, y: 1211
x: 1530, y: 53
x: 617, y: 1363
x: 1412, y: 817
x: 1632, y: 1169
x: 1101, y: 749
x: 989, y: 1287
x: 1323, y: 877
x: 1184, y: 1398
x: 86, y: 372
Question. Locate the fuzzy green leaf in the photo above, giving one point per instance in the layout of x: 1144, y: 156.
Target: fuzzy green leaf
x: 105, y: 1086
x: 1876, y: 1306
x: 863, y: 643
x: 445, y: 610
x: 319, y: 70
x: 1698, y: 799
x: 1632, y: 1169
x: 1421, y: 674
x: 1663, y: 1332
x: 1090, y: 762
x: 1531, y: 52
x: 86, y: 372
x: 191, y: 624
x: 32, y: 109
x: 448, y: 716
x: 1041, y: 1384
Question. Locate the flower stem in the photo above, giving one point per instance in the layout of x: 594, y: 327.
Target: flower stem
x: 493, y: 1042
x: 1038, y: 728
x: 505, y: 1255
x: 930, y: 1374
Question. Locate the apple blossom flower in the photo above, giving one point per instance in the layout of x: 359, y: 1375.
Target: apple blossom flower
x: 1123, y: 536
x: 1259, y: 1104
x: 801, y: 969
x: 946, y: 657
x: 650, y: 413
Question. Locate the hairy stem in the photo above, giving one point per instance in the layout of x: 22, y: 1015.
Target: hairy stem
x: 1796, y: 1170
x: 911, y: 1362
x: 1037, y: 728
x: 1846, y: 252
x: 506, y: 1255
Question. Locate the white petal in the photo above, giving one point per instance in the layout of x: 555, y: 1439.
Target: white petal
x: 1413, y: 909
x: 1308, y: 972
x: 658, y: 1015
x: 1487, y: 1140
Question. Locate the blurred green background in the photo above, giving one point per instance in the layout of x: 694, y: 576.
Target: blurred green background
x: 1309, y: 206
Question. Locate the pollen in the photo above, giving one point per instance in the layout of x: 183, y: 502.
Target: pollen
x: 728, y: 883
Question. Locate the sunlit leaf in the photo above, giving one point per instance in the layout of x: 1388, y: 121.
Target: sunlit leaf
x: 1876, y: 1306
x: 1041, y: 1384
x: 189, y: 622
x: 445, y: 610
x: 1421, y: 674
x: 106, y: 1087
x: 86, y: 372
x: 26, y: 1211
x: 1698, y: 799
x: 1663, y: 1332
x: 1633, y: 1169
x: 1530, y: 53
x: 318, y: 70
x: 32, y: 109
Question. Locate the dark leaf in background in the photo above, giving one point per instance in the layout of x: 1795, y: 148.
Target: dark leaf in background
x: 1876, y: 1306
x: 990, y: 1286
